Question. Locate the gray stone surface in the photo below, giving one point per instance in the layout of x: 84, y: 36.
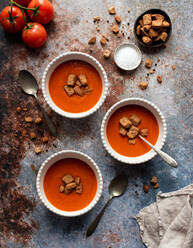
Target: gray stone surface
x: 70, y: 30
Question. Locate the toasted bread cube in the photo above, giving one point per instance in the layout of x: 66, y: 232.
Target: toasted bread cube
x: 164, y: 36
x: 78, y: 83
x: 138, y: 30
x: 125, y: 122
x: 144, y: 32
x: 32, y: 135
x: 133, y: 132
x: 92, y: 40
x: 28, y: 119
x: 61, y: 188
x: 112, y: 10
x: 135, y: 120
x: 157, y: 24
x: 144, y: 132
x: 122, y: 131
x: 159, y: 79
x: 67, y: 191
x: 147, y: 40
x: 153, y: 33
x: 141, y: 22
x: 148, y: 63
x: 145, y: 188
x: 69, y: 90
x: 118, y: 19
x: 83, y: 79
x: 45, y: 139
x: 147, y: 27
x: 79, y: 90
x: 115, y: 29
x: 103, y: 41
x: 157, y: 17
x: 86, y: 90
x: 96, y: 19
x: 107, y: 54
x: 18, y: 109
x: 70, y: 185
x: 38, y: 120
x: 132, y: 141
x: 79, y: 188
x: 165, y: 24
x: 154, y: 180
x: 68, y: 179
x: 143, y: 85
x: 71, y: 79
x: 77, y: 180
x: 147, y: 19
x: 37, y: 149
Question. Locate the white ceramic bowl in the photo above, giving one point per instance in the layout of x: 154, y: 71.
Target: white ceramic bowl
x: 73, y: 56
x: 56, y: 157
x: 160, y: 120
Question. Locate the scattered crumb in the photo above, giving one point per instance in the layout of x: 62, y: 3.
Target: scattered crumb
x: 112, y: 10
x: 115, y: 28
x: 128, y: 10
x: 96, y: 19
x: 119, y: 35
x: 154, y: 180
x: 25, y: 109
x: 103, y: 41
x: 37, y: 149
x: 61, y: 188
x: 158, y: 60
x: 159, y: 79
x: 38, y: 120
x: 156, y: 186
x: 173, y: 67
x: 28, y: 119
x: 105, y: 36
x: 107, y: 54
x: 145, y: 188
x: 148, y: 63
x: 143, y: 85
x: 151, y: 71
x: 92, y: 41
x: 132, y: 141
x: 98, y: 29
x: 18, y: 109
x: 32, y: 135
x: 45, y: 139
x: 117, y: 19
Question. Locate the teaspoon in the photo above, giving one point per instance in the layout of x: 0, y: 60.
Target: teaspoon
x: 29, y: 86
x: 116, y: 188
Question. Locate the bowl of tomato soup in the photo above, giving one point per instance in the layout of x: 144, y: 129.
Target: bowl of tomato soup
x: 56, y: 77
x: 51, y: 183
x: 121, y: 122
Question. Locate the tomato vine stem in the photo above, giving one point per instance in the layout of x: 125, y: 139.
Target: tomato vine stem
x: 22, y: 7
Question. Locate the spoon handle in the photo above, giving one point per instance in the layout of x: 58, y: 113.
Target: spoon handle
x: 50, y: 124
x: 169, y: 160
x: 95, y: 222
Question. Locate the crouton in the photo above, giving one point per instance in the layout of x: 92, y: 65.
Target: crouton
x: 61, y: 188
x: 144, y: 132
x: 132, y: 141
x: 45, y: 139
x: 147, y: 19
x: 157, y: 24
x: 18, y: 109
x: 146, y: 27
x: 69, y: 90
x: 145, y: 188
x: 165, y: 24
x: 122, y: 131
x: 148, y: 63
x: 28, y: 119
x: 79, y: 188
x: 92, y: 40
x: 115, y: 29
x: 154, y: 180
x: 163, y: 36
x: 32, y: 135
x: 78, y: 83
x: 107, y: 54
x: 133, y: 132
x: 96, y: 19
x: 71, y: 80
x: 135, y: 120
x: 83, y: 79
x: 79, y: 90
x: 157, y: 17
x: 138, y: 30
x: 147, y: 40
x: 143, y: 85
x: 118, y: 19
x: 112, y: 10
x: 68, y: 179
x: 38, y: 120
x: 125, y: 122
x: 153, y: 33
x: 159, y: 79
x: 71, y: 185
x: 103, y: 41
x: 37, y: 149
x: 77, y: 180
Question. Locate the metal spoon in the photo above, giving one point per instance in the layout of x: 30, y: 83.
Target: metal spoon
x: 116, y: 188
x: 169, y: 160
x: 29, y: 86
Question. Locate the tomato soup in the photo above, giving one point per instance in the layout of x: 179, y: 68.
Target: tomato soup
x: 75, y: 103
x: 120, y: 143
x: 72, y: 201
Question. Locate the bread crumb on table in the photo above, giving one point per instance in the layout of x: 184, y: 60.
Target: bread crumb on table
x: 148, y: 63
x: 143, y: 85
x: 159, y: 79
x: 92, y: 40
x: 107, y: 54
x: 112, y: 10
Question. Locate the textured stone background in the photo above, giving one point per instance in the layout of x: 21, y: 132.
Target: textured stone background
x: 70, y: 30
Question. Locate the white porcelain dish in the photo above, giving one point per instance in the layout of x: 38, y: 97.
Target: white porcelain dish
x: 64, y: 58
x: 160, y: 120
x: 62, y: 155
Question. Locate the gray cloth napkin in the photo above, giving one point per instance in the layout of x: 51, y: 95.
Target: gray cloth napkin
x: 168, y: 223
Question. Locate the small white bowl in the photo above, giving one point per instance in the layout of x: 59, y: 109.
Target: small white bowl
x: 160, y: 120
x: 64, y: 58
x: 62, y: 155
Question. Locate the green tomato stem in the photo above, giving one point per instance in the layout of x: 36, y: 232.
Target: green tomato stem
x: 21, y: 7
x: 24, y: 18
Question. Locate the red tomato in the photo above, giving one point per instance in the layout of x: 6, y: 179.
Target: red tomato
x: 34, y: 35
x: 44, y: 11
x: 22, y: 2
x: 12, y: 22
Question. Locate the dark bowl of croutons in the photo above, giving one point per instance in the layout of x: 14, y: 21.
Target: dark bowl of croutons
x: 153, y: 28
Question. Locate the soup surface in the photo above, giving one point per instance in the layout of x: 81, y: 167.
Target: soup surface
x: 72, y: 201
x: 75, y: 103
x: 120, y: 143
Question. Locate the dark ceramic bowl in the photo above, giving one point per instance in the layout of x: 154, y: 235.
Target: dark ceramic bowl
x: 155, y: 43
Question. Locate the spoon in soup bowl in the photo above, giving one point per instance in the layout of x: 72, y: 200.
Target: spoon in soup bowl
x: 117, y: 187
x: 169, y: 160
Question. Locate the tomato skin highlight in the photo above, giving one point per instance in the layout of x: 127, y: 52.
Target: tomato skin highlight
x: 12, y: 24
x: 35, y: 36
x: 23, y: 2
x: 44, y: 13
